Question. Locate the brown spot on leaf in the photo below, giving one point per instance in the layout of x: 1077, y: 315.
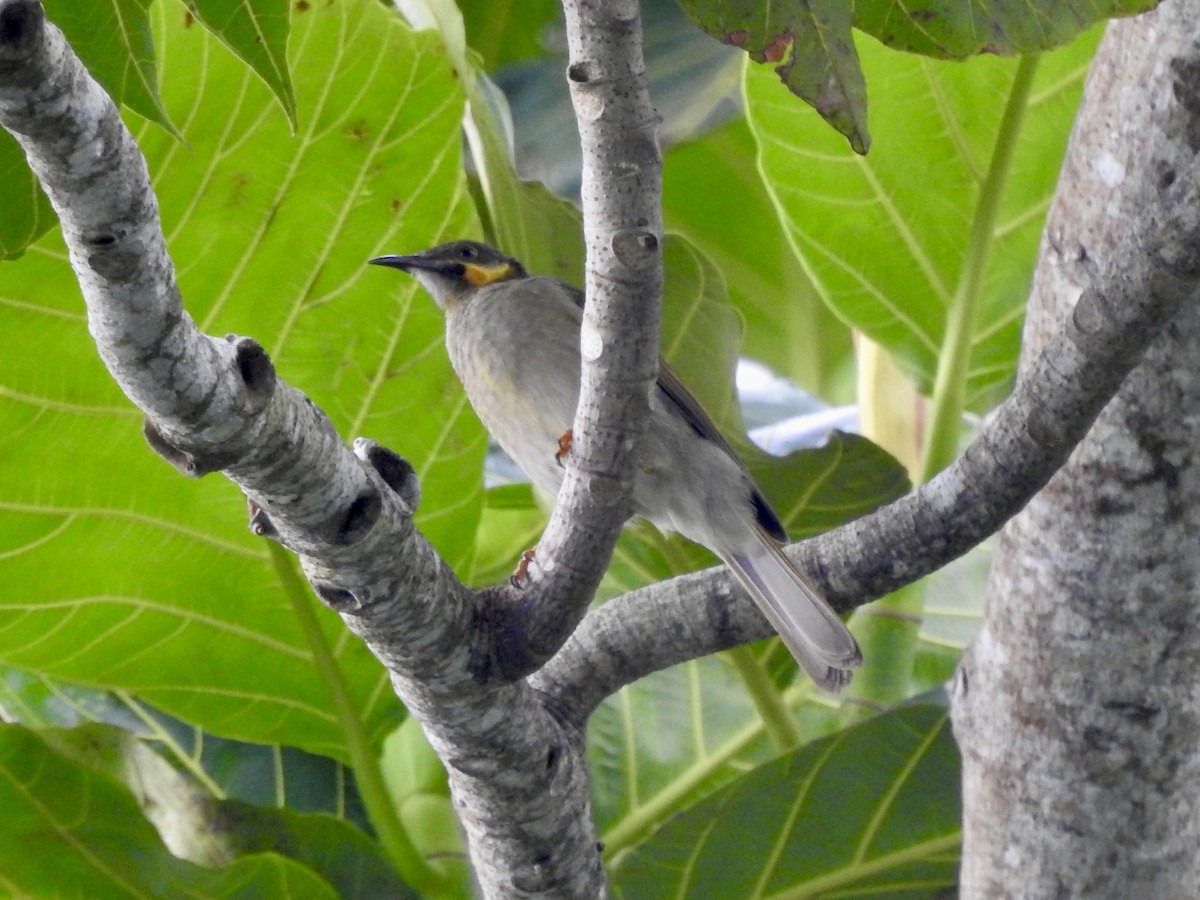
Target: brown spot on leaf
x: 774, y: 51
x: 302, y: 6
x: 737, y: 38
x: 239, y: 182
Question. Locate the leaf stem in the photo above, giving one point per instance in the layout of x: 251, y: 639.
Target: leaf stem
x: 949, y: 390
x: 367, y: 772
x: 781, y: 726
x: 629, y: 828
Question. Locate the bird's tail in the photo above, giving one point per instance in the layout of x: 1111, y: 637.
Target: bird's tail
x: 811, y: 630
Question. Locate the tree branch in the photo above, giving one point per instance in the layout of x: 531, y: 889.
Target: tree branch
x: 517, y: 774
x: 1075, y: 705
x: 515, y: 761
x: 1134, y: 292
x: 622, y: 199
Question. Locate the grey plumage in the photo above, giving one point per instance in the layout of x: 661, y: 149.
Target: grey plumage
x: 513, y: 339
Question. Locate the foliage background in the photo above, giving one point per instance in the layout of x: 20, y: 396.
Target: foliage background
x: 286, y: 148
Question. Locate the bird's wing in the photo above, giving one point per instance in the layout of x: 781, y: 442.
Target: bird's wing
x: 682, y: 400
x: 690, y: 410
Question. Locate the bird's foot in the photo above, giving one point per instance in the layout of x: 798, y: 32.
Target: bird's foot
x: 520, y: 577
x: 564, y: 446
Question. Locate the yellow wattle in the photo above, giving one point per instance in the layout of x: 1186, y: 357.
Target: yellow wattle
x: 478, y: 275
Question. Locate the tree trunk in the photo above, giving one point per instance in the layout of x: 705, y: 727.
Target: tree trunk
x: 1077, y: 706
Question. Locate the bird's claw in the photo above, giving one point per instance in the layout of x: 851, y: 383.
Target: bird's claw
x: 564, y: 446
x: 520, y: 578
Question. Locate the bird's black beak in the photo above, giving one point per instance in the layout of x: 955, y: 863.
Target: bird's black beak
x: 446, y: 267
x: 403, y: 263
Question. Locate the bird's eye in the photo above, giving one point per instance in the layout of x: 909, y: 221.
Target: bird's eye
x: 468, y: 252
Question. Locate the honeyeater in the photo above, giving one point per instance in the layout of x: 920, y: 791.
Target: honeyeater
x: 514, y: 340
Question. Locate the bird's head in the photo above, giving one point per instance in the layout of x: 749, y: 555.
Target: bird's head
x: 451, y: 271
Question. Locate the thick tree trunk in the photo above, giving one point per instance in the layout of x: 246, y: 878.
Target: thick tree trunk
x: 1077, y: 707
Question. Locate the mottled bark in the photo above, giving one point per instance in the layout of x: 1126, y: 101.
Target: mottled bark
x: 1077, y: 707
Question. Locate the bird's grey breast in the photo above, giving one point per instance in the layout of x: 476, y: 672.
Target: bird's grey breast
x: 515, y: 347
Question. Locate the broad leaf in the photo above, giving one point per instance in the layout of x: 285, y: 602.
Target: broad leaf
x: 812, y: 44
x: 714, y: 196
x: 947, y: 29
x: 502, y: 32
x: 817, y: 489
x: 254, y: 773
x: 27, y: 213
x: 119, y: 574
x: 256, y: 30
x: 418, y: 787
x: 347, y: 858
x: 113, y: 39
x: 666, y: 740
x: 885, y: 238
x: 91, y: 838
x: 811, y: 39
x: 871, y: 811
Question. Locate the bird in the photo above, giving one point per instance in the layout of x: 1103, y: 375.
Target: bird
x: 514, y: 341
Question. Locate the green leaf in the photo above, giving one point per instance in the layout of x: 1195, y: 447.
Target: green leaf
x: 869, y: 812
x: 714, y: 196
x: 114, y: 40
x: 821, y: 65
x: 550, y: 231
x: 337, y: 851
x: 947, y: 29
x: 256, y: 30
x: 701, y: 331
x: 119, y: 574
x: 884, y: 239
x: 817, y: 489
x: 812, y: 42
x: 92, y: 840
x: 665, y: 740
x: 504, y: 31
x: 254, y: 773
x: 417, y: 784
x: 27, y: 213
x: 173, y: 804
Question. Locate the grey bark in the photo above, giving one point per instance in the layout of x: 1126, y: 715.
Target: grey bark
x: 1077, y: 707
x: 514, y: 753
x: 517, y: 773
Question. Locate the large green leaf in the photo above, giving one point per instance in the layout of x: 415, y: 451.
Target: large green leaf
x: 819, y: 488
x: 665, y: 741
x: 117, y: 573
x: 71, y: 829
x: 811, y: 39
x: 502, y: 31
x: 253, y: 773
x: 714, y: 196
x: 113, y: 38
x: 872, y: 811
x: 812, y: 43
x: 256, y: 30
x: 947, y: 29
x: 27, y: 213
x: 885, y: 238
x: 341, y: 854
